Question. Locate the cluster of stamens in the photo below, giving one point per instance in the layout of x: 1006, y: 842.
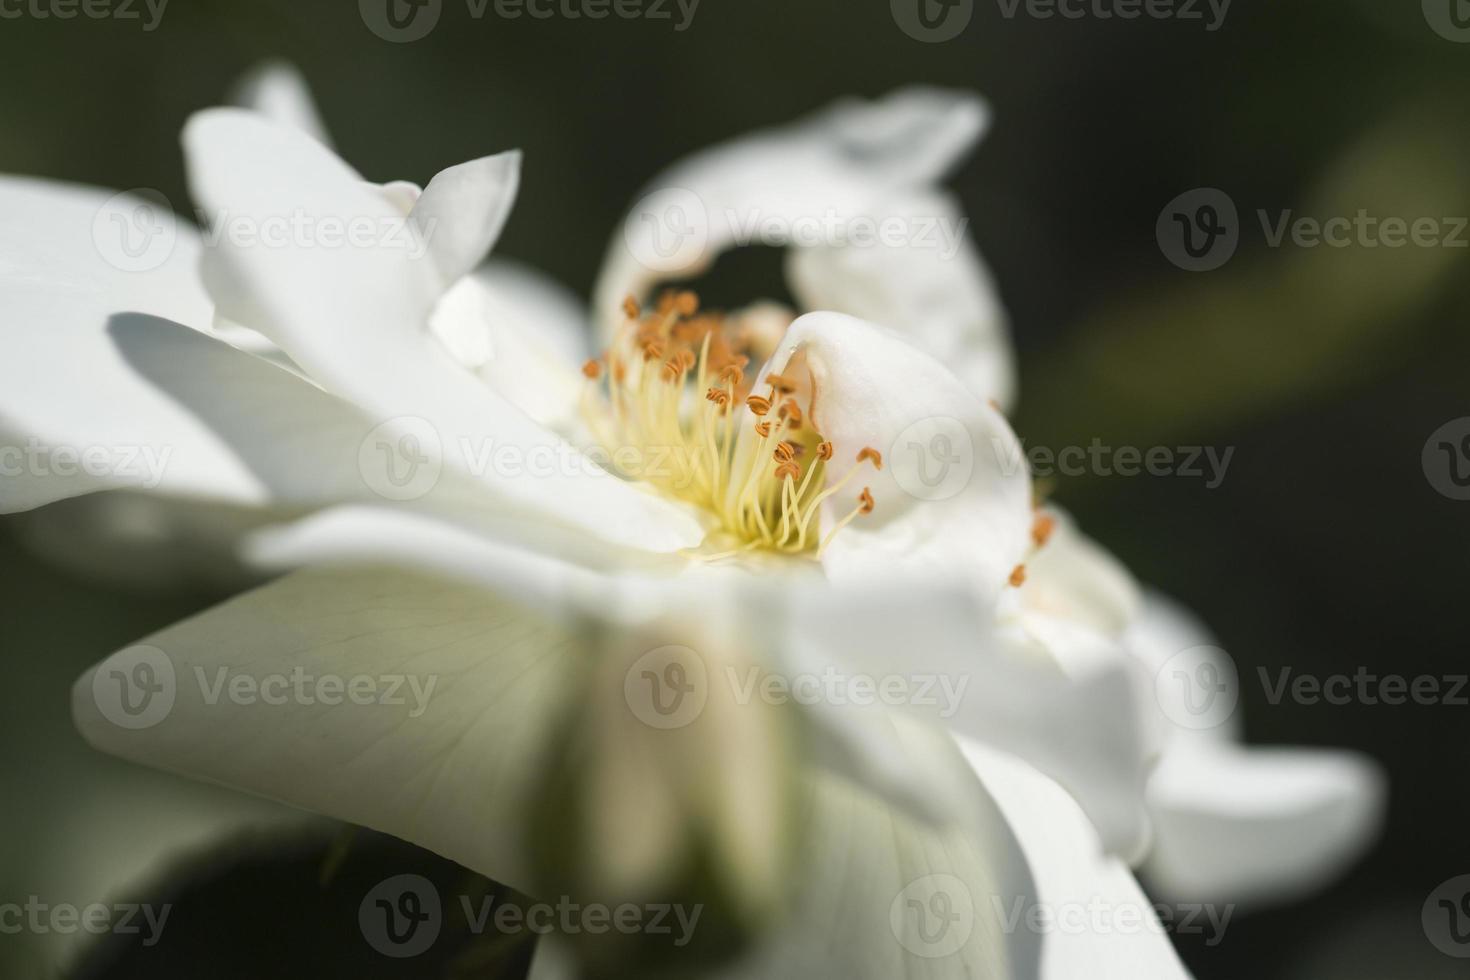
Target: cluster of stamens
x: 671, y: 403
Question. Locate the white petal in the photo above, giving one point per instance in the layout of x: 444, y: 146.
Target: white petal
x: 1073, y: 578
x: 927, y: 633
x: 930, y: 285
x: 524, y: 334
x: 1102, y: 754
x: 104, y: 392
x: 952, y: 498
x: 448, y: 768
x: 1234, y: 823
x: 1259, y: 825
x: 876, y: 883
x: 278, y: 91
x: 355, y: 317
x: 462, y: 211
x: 836, y: 163
x: 1174, y: 647
x: 1098, y: 922
x: 458, y: 777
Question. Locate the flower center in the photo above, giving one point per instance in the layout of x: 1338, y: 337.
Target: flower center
x: 670, y: 402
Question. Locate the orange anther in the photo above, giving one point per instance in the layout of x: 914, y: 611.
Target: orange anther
x: 870, y: 453
x: 1018, y: 576
x: 780, y: 384
x: 1042, y: 527
x: 758, y: 405
x: 592, y: 370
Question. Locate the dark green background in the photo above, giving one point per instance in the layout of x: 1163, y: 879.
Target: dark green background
x: 1325, y: 548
